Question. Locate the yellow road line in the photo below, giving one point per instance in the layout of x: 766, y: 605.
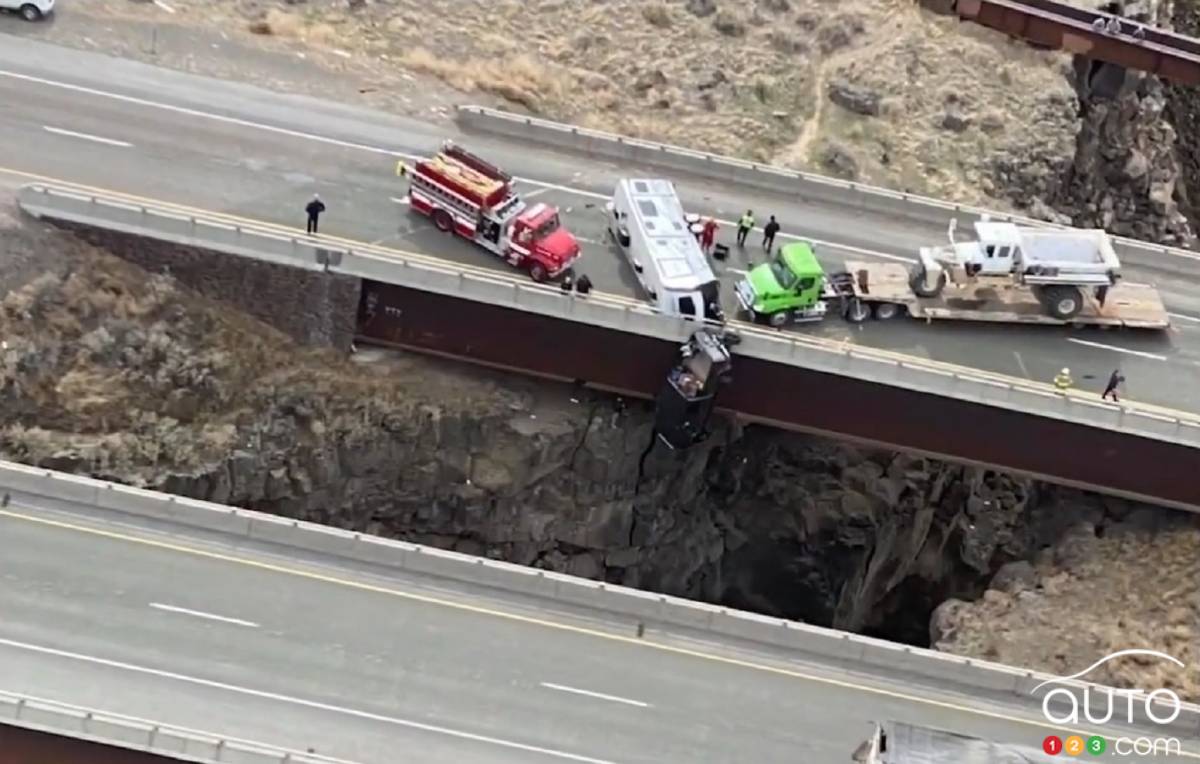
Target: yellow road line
x: 540, y: 622
x: 817, y: 342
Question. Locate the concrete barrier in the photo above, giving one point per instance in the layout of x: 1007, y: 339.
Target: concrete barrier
x: 141, y: 734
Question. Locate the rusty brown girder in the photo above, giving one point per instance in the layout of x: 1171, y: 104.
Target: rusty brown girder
x: 19, y: 745
x: 1053, y: 24
x: 791, y: 397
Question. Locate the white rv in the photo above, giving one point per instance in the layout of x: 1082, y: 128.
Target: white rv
x: 648, y: 224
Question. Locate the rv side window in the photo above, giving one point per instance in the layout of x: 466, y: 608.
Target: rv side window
x: 990, y: 250
x: 686, y: 306
x: 1003, y: 253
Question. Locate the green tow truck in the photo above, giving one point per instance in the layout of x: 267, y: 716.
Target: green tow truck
x: 792, y: 287
x: 961, y: 282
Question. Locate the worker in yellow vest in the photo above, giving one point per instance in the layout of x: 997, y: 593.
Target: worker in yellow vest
x: 1062, y: 380
x: 745, y: 223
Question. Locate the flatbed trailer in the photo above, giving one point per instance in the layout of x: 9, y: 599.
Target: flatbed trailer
x: 884, y: 290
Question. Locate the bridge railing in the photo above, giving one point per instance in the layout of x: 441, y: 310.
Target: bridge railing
x: 809, y: 187
x: 143, y: 734
x: 275, y: 244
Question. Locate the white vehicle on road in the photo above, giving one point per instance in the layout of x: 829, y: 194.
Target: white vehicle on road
x: 30, y: 10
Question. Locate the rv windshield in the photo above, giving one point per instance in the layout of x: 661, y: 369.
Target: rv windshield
x: 783, y: 274
x: 548, y: 227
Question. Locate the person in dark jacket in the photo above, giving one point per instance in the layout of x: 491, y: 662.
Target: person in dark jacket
x: 1111, y: 388
x: 769, y: 231
x: 583, y: 285
x: 314, y: 210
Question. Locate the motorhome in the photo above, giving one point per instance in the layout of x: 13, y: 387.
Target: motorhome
x: 648, y: 224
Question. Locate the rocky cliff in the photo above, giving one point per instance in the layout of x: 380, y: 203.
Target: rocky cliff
x: 113, y: 372
x: 1183, y: 108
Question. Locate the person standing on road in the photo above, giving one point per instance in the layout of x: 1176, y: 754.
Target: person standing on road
x: 314, y: 210
x: 708, y: 236
x: 1111, y: 388
x: 769, y: 231
x: 744, y: 225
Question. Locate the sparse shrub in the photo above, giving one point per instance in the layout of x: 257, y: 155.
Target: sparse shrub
x: 657, y: 15
x: 729, y: 23
x: 262, y: 26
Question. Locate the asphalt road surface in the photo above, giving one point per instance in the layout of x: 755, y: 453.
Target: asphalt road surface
x: 228, y: 147
x: 308, y: 653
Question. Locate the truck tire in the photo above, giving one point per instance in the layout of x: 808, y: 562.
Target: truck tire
x: 857, y: 311
x: 30, y: 12
x: 1062, y: 302
x: 443, y: 221
x: 780, y: 318
x: 885, y: 311
x: 921, y: 289
x: 537, y: 272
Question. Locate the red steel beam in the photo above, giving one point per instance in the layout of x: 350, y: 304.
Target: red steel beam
x: 790, y: 397
x: 1053, y: 24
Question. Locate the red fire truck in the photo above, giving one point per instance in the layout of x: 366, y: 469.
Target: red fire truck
x: 475, y: 199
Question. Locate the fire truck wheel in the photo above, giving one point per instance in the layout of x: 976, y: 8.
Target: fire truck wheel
x: 779, y: 319
x: 537, y: 272
x: 442, y: 220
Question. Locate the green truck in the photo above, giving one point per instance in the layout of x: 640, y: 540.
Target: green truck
x: 792, y: 287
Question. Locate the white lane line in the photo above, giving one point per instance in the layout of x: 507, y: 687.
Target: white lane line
x: 539, y: 192
x: 1154, y: 356
x: 738, y: 270
x: 202, y: 614
x: 400, y: 200
x: 590, y: 694
x: 447, y: 731
x: 1185, y: 317
x: 85, y: 136
x: 164, y: 6
x: 1021, y: 363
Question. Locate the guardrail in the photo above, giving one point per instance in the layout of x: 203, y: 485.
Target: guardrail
x: 22, y: 482
x: 193, y: 228
x: 144, y: 735
x: 805, y: 185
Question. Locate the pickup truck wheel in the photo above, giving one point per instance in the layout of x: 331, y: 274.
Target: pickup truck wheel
x: 1062, y: 302
x: 888, y: 310
x: 921, y: 289
x: 537, y: 272
x: 443, y: 221
x: 780, y: 318
x: 857, y: 311
x: 30, y: 12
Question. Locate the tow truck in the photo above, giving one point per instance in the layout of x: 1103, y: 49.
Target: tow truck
x: 468, y: 196
x: 1008, y: 274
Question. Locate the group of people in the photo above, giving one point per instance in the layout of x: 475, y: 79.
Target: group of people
x: 745, y: 224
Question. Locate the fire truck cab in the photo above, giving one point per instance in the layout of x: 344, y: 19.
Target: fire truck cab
x: 474, y: 199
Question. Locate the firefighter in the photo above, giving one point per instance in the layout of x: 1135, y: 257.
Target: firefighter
x: 314, y: 210
x: 1063, y: 381
x: 709, y: 235
x: 1111, y: 388
x: 769, y: 231
x: 744, y: 225
x: 583, y: 285
x: 567, y: 284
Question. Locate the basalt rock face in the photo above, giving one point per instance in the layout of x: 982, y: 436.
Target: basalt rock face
x: 1183, y: 108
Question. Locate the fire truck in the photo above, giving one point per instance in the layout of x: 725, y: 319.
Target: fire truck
x: 473, y: 198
